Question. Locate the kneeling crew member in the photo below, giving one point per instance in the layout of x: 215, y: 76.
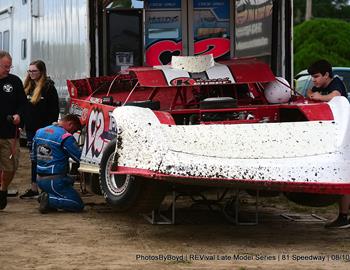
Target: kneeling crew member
x: 52, y: 147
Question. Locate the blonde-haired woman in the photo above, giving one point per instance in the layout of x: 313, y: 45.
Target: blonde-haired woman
x: 41, y: 110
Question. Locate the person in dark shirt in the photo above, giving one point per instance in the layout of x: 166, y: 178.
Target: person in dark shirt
x: 325, y: 88
x: 42, y: 110
x: 12, y: 101
x: 325, y: 85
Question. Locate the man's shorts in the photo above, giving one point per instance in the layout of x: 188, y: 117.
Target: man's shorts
x: 9, y: 154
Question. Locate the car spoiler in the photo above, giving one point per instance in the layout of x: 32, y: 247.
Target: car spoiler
x: 235, y: 71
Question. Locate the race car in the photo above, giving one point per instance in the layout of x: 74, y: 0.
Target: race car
x: 199, y: 123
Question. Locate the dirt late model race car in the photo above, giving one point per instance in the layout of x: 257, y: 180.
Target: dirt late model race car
x: 197, y: 123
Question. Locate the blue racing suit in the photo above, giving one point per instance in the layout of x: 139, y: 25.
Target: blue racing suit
x: 52, y: 147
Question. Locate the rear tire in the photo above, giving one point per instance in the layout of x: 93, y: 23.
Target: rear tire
x: 311, y: 199
x: 218, y: 103
x: 127, y: 192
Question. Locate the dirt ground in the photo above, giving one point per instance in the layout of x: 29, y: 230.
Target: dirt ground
x: 201, y: 239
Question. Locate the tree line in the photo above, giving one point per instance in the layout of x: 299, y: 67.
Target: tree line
x: 325, y: 36
x: 339, y: 9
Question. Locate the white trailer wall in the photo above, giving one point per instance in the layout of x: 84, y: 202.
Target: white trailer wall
x: 60, y: 38
x: 15, y: 19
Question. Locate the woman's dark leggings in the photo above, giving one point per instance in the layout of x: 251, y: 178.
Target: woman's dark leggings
x: 30, y: 136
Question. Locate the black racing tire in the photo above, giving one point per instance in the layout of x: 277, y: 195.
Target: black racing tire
x: 311, y: 199
x: 153, y: 105
x: 126, y: 192
x: 218, y: 103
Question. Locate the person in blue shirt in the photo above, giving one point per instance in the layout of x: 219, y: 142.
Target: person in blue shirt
x: 52, y: 147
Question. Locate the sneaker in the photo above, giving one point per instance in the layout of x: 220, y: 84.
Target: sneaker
x: 44, y: 203
x: 29, y: 194
x: 339, y: 223
x: 3, y: 199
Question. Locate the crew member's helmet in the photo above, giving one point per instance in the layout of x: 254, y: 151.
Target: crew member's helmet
x: 278, y: 91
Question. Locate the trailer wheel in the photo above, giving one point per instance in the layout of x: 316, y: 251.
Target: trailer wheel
x: 127, y: 192
x: 311, y: 199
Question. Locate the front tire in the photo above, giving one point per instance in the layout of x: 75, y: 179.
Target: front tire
x: 128, y: 192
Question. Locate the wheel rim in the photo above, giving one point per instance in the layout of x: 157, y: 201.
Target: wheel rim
x: 116, y: 184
